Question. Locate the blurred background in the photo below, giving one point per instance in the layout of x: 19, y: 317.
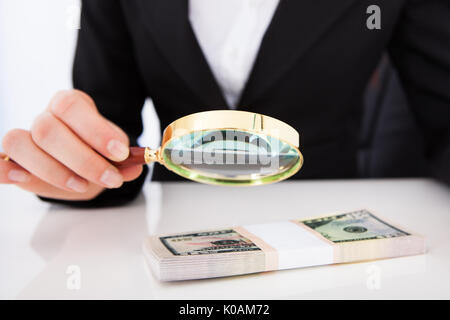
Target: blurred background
x: 37, y: 41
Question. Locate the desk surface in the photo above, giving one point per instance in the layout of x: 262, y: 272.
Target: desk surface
x: 39, y: 242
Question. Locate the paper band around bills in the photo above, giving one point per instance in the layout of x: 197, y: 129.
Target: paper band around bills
x: 288, y: 244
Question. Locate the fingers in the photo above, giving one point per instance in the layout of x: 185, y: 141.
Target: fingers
x: 11, y: 172
x: 19, y: 145
x: 54, y: 138
x: 78, y: 112
x: 64, y: 154
x: 131, y: 173
x: 44, y: 189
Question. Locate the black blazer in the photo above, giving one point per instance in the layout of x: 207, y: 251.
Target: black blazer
x: 313, y: 65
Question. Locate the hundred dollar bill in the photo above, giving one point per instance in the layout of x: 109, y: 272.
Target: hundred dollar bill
x: 208, y: 242
x: 338, y: 238
x: 353, y: 226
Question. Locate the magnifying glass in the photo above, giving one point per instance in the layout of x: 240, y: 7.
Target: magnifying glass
x: 225, y: 147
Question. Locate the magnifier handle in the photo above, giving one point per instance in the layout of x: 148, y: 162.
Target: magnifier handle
x: 136, y: 157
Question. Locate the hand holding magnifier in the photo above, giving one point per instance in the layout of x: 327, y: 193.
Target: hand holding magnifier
x: 225, y: 147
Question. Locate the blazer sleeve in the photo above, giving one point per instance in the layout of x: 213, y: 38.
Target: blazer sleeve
x: 420, y: 49
x: 105, y: 68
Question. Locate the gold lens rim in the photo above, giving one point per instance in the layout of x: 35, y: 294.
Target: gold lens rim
x: 198, y: 176
x: 231, y: 120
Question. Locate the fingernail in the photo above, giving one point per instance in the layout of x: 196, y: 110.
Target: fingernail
x: 111, y: 178
x: 76, y: 184
x: 18, y: 175
x: 118, y: 150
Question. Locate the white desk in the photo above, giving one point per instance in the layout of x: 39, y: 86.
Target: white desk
x: 38, y: 241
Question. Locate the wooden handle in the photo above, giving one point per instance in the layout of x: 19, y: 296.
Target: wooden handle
x: 136, y: 157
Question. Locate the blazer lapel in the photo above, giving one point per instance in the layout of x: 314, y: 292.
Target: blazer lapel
x: 295, y: 27
x: 170, y: 27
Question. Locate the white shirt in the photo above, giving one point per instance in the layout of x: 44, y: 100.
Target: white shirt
x: 229, y: 33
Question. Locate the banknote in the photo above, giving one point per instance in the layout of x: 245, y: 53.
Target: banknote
x: 353, y: 226
x: 208, y: 242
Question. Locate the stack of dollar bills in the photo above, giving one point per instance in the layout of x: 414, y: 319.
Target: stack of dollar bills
x: 338, y: 238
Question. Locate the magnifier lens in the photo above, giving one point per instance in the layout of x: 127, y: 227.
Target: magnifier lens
x: 231, y: 157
